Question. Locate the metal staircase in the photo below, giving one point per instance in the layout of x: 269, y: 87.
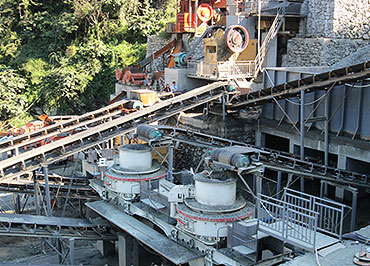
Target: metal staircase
x: 260, y: 58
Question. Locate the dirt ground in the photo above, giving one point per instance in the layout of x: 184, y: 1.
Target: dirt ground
x: 28, y: 251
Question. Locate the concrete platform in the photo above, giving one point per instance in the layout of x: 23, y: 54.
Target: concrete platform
x: 322, y: 240
x: 338, y: 257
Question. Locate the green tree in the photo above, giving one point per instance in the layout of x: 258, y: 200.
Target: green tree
x: 13, y: 93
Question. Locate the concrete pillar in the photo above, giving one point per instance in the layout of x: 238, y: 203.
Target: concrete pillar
x: 271, y: 56
x: 259, y: 138
x: 106, y: 247
x: 354, y: 210
x: 128, y: 250
x: 339, y: 192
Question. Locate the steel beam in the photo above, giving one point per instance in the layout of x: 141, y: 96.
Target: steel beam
x: 354, y: 210
x: 47, y: 190
x: 274, y: 160
x: 302, y: 135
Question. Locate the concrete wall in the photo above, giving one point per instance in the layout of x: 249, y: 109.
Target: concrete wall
x: 183, y: 82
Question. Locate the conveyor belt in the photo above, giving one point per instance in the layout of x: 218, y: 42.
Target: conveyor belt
x: 92, y: 129
x: 271, y: 159
x: 316, y: 82
x: 79, y: 190
x: 26, y: 225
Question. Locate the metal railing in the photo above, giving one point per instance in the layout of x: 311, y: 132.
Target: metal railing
x: 331, y: 213
x: 287, y: 221
x: 223, y: 70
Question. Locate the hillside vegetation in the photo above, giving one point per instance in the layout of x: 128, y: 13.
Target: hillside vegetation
x: 60, y: 56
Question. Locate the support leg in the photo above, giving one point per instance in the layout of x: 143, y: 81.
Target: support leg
x: 278, y: 186
x: 127, y: 250
x: 106, y: 247
x: 302, y: 135
x: 47, y: 189
x: 258, y: 191
x: 72, y: 251
x: 59, y: 248
x: 170, y: 163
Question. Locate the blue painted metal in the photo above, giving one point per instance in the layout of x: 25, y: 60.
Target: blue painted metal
x: 348, y: 112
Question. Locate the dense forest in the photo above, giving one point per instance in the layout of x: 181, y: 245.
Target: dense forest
x: 60, y: 56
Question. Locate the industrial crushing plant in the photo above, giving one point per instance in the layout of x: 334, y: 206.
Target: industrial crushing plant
x: 257, y: 155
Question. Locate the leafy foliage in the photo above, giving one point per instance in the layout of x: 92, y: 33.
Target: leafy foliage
x: 13, y: 92
x: 60, y: 56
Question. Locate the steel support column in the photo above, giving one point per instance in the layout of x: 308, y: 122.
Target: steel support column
x: 326, y: 136
x: 223, y: 108
x: 17, y: 202
x: 354, y: 208
x: 72, y: 251
x: 58, y: 246
x: 47, y: 189
x: 302, y: 134
x: 258, y: 190
x: 323, y: 185
x: 278, y: 185
x: 36, y: 193
x: 170, y: 163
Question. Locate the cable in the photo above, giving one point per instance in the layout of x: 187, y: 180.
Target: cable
x: 314, y: 101
x: 357, y: 86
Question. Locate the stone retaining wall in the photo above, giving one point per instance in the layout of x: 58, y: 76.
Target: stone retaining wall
x: 342, y: 19
x: 319, y: 51
x: 154, y: 43
x: 333, y: 30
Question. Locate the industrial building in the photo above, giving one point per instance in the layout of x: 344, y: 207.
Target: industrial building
x: 259, y: 155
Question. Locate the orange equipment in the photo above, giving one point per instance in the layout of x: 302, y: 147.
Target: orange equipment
x: 205, y: 12
x: 134, y: 78
x: 32, y: 126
